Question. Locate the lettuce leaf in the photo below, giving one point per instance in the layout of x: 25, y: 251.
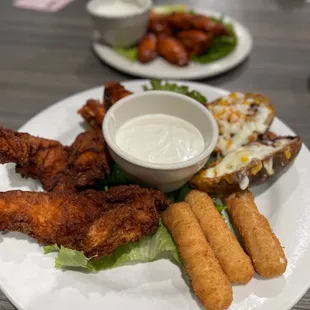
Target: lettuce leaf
x: 131, y: 53
x: 181, y: 89
x: 221, y: 45
x: 149, y: 249
x: 168, y: 9
x: 51, y: 248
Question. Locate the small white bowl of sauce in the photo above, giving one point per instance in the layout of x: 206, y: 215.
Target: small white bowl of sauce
x: 160, y: 138
x: 120, y: 23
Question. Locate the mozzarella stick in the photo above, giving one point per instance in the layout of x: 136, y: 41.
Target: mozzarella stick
x: 233, y: 260
x: 260, y: 242
x: 209, y: 282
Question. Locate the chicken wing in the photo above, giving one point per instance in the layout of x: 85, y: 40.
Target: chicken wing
x: 147, y: 49
x: 93, y: 111
x: 113, y: 92
x: 57, y: 167
x: 172, y: 50
x: 188, y: 21
x: 159, y: 24
x: 196, y: 42
x: 180, y: 21
x: 202, y: 22
x: 93, y: 222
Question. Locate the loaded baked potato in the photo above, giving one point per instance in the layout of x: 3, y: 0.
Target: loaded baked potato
x: 248, y: 165
x: 241, y: 119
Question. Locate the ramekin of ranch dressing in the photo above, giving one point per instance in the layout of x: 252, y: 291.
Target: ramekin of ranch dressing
x: 120, y: 23
x: 160, y: 138
x: 118, y: 8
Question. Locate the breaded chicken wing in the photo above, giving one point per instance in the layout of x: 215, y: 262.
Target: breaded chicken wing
x: 113, y: 92
x: 93, y: 111
x: 91, y: 221
x: 56, y: 166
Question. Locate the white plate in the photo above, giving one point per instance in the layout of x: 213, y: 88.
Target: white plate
x: 161, y: 69
x: 31, y: 282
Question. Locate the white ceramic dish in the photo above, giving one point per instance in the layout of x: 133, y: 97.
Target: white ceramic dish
x: 30, y: 281
x: 160, y: 69
x: 120, y: 30
x: 167, y: 177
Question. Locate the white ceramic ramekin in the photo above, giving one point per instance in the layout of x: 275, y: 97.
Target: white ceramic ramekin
x: 167, y: 177
x: 123, y: 30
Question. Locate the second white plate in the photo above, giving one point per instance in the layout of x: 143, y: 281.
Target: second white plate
x: 161, y: 69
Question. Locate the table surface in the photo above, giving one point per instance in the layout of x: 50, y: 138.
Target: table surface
x: 45, y: 57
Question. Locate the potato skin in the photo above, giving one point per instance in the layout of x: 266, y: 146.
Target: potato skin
x: 258, y: 100
x: 255, y: 171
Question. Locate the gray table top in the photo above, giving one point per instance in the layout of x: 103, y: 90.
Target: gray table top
x: 45, y: 57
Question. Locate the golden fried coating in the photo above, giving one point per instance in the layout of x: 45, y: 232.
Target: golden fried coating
x: 196, y: 42
x: 234, y: 262
x: 56, y: 166
x: 113, y: 92
x: 172, y: 50
x: 262, y: 245
x: 91, y: 221
x: 93, y: 111
x: 209, y: 282
x: 147, y: 48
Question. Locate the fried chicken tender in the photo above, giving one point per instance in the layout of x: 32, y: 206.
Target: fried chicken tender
x: 57, y: 167
x: 262, y: 245
x: 172, y: 50
x: 93, y: 111
x: 147, y: 48
x: 93, y: 222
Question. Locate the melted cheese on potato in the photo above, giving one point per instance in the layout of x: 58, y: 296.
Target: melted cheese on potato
x: 238, y: 120
x: 241, y: 157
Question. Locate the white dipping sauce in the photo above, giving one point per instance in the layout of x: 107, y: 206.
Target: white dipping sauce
x: 117, y: 8
x: 159, y: 138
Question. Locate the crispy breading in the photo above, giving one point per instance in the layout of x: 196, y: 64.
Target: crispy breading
x: 234, y: 262
x: 260, y: 242
x: 93, y: 111
x: 209, y: 282
x: 92, y: 221
x: 56, y: 166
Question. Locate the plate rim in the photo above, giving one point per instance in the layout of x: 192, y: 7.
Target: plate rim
x: 15, y: 301
x: 192, y: 75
